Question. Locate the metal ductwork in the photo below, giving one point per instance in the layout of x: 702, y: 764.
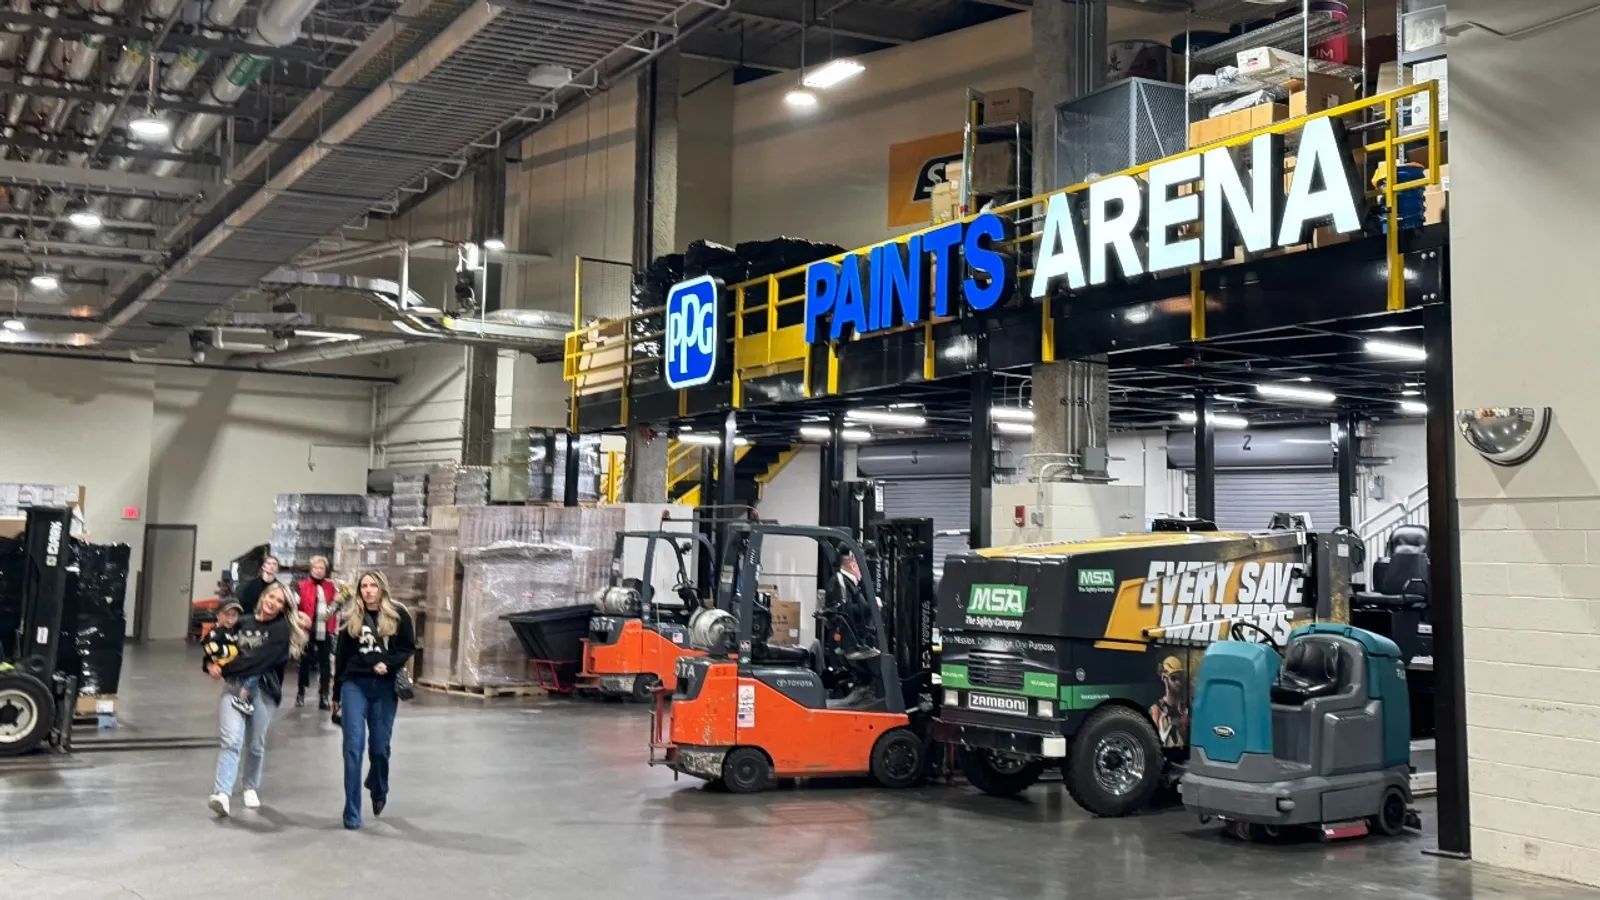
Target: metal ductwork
x: 318, y: 353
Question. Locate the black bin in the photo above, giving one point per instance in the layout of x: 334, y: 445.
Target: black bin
x: 554, y: 637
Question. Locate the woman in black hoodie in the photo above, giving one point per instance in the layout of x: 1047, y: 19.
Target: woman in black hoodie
x: 266, y: 642
x: 376, y: 641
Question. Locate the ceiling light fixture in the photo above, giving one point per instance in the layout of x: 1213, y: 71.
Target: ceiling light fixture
x: 1021, y: 429
x: 1395, y: 350
x: 44, y: 281
x: 1414, y: 407
x: 1295, y: 392
x: 822, y: 433
x: 1011, y: 414
x: 150, y: 128
x: 710, y: 440
x: 799, y: 98
x: 1229, y: 398
x: 494, y: 244
x: 830, y: 74
x: 85, y: 220
x: 15, y: 325
x: 885, y: 417
x: 1220, y: 420
x: 327, y: 335
x: 1411, y: 392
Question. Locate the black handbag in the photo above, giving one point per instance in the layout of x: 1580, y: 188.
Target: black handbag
x: 403, y: 686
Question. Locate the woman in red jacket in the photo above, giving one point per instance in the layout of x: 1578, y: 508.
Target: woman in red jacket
x: 319, y: 601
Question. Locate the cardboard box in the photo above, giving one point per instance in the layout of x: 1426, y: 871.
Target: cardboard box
x: 1320, y: 92
x: 952, y: 172
x: 1436, y: 198
x: 1266, y: 59
x: 945, y: 204
x: 1008, y: 105
x: 994, y: 167
x: 786, y: 627
x: 1207, y: 131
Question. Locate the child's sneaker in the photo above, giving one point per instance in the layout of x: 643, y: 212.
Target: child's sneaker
x: 243, y: 705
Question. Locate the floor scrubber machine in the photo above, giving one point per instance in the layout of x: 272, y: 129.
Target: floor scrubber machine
x: 1316, y: 736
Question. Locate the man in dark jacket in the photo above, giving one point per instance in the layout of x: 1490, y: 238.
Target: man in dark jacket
x: 249, y: 592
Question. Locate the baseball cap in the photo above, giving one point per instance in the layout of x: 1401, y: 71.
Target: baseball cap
x: 230, y: 604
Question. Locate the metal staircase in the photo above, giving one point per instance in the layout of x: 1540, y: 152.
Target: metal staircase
x: 1376, y: 529
x: 755, y: 465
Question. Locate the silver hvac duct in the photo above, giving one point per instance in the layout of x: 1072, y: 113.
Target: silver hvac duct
x: 277, y: 26
x: 11, y: 38
x: 318, y: 353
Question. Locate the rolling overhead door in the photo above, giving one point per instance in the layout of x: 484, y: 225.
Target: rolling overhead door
x: 944, y: 500
x: 1247, y: 500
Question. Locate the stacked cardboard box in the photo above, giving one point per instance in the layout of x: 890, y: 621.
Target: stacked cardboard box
x: 442, y: 485
x: 511, y: 577
x: 1006, y: 106
x: 472, y: 486
x: 444, y: 596
x: 409, y: 504
x: 358, y: 550
x: 377, y: 515
x: 407, y: 571
x: 303, y: 525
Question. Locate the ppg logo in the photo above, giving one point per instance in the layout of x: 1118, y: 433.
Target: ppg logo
x: 692, y: 331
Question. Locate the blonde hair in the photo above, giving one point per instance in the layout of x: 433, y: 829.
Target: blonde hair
x: 299, y: 622
x: 355, y: 612
x: 327, y: 567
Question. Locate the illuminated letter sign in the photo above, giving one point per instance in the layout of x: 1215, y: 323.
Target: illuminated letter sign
x: 692, y: 332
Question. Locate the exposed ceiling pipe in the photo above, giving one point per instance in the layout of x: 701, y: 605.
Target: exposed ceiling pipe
x: 369, y: 252
x: 278, y: 25
x: 316, y: 353
x: 11, y: 38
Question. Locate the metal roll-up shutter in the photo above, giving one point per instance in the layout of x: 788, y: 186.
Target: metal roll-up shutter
x: 1247, y: 500
x: 944, y: 500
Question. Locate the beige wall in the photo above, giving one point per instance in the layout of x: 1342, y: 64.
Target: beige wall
x: 1524, y: 124
x: 186, y: 447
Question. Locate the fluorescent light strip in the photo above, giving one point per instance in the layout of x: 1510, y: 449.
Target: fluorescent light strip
x: 1415, y: 407
x: 1295, y: 392
x: 1220, y: 420
x: 821, y: 433
x: 1011, y: 414
x: 885, y: 417
x: 710, y: 440
x: 1016, y: 428
x: 830, y: 74
x: 1394, y: 350
x: 328, y: 335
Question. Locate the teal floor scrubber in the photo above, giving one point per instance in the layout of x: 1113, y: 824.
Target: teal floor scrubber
x: 1316, y: 738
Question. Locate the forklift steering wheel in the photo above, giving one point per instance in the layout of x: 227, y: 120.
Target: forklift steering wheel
x: 1235, y: 632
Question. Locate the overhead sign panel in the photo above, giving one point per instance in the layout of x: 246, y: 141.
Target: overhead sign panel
x: 691, y: 338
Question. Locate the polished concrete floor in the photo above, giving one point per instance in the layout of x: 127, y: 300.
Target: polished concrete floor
x: 554, y: 799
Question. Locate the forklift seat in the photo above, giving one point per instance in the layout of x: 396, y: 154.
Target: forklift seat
x: 780, y: 655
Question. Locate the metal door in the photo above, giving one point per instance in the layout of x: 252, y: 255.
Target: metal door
x: 169, y: 581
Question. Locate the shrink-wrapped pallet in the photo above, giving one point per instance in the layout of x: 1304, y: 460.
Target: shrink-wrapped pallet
x: 506, y: 578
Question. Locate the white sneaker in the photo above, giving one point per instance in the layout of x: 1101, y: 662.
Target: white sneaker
x: 219, y: 804
x: 252, y: 800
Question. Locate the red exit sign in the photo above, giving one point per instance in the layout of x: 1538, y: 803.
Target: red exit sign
x: 130, y: 512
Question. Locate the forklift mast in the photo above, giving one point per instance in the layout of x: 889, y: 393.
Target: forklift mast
x: 901, y: 554
x: 683, y: 543
x: 41, y: 652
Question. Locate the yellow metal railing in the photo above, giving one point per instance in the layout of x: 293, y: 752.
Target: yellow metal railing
x: 611, y: 476
x: 605, y: 347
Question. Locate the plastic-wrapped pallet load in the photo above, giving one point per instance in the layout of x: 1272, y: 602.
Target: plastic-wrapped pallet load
x: 99, y: 579
x: 377, y: 515
x: 584, y: 526
x: 444, y: 597
x: 357, y: 550
x: 472, y: 486
x: 506, y: 578
x: 303, y: 525
x: 485, y: 525
x: 409, y: 503
x: 442, y: 485
x: 408, y: 566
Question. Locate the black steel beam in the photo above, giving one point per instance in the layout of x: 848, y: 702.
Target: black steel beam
x: 1444, y: 585
x: 569, y: 487
x: 1345, y: 451
x: 185, y: 36
x: 727, y: 474
x: 1205, y: 458
x: 982, y: 446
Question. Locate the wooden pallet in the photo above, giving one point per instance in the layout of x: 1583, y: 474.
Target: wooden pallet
x: 483, y: 692
x: 92, y: 706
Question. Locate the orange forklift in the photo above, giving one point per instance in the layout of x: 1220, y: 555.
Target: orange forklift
x: 857, y: 701
x: 637, y: 637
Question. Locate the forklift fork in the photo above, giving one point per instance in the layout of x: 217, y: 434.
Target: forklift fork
x: 661, y: 732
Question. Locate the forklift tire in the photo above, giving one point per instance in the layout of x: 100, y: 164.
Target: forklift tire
x: 27, y: 713
x: 999, y: 777
x: 899, y: 759
x: 644, y: 687
x: 1116, y: 762
x: 746, y: 770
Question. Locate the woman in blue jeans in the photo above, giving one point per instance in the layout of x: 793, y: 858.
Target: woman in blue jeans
x: 266, y: 641
x: 376, y: 641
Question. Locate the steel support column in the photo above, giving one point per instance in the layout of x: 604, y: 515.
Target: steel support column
x: 830, y: 502
x: 570, y: 482
x: 1205, y: 459
x: 982, y: 445
x: 1345, y: 451
x: 477, y: 423
x: 483, y: 363
x: 1449, y: 667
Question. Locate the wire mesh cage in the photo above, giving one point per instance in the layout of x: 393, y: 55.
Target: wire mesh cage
x: 1133, y: 121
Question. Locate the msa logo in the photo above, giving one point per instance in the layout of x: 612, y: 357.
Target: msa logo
x: 692, y: 332
x: 1015, y: 706
x: 1096, y: 580
x: 1008, y: 600
x: 932, y: 174
x: 52, y: 545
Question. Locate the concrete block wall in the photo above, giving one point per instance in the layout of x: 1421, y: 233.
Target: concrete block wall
x: 1067, y: 512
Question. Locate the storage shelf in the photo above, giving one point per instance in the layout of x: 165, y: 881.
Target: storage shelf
x: 1284, y: 34
x: 1422, y: 56
x: 1224, y: 92
x: 1004, y: 129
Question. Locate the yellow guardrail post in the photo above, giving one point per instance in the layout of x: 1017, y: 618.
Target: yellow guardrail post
x: 1197, y: 307
x: 1397, y: 275
x: 738, y: 341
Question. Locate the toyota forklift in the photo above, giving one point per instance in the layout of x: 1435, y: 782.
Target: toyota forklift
x: 637, y: 637
x: 39, y: 682
x: 857, y: 701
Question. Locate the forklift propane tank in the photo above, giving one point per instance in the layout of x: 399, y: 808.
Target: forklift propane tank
x: 713, y: 631
x: 620, y: 600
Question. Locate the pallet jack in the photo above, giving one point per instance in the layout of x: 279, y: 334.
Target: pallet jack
x: 636, y: 638
x: 750, y: 711
x: 39, y: 686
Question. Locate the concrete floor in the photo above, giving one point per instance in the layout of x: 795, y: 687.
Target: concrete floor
x: 554, y: 799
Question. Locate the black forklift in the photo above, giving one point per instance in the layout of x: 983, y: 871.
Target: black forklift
x: 39, y: 682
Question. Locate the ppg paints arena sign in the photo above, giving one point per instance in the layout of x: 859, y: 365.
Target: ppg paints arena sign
x: 1121, y: 227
